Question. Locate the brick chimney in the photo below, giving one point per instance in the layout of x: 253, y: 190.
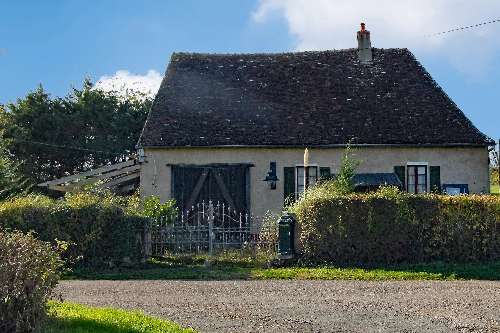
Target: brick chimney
x: 364, y: 45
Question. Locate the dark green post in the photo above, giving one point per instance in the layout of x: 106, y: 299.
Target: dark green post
x: 286, y: 233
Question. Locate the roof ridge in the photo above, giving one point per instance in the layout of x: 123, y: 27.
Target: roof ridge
x: 305, y: 52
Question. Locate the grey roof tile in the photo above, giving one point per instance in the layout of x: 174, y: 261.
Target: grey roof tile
x: 303, y: 99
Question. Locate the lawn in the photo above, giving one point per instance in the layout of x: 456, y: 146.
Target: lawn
x: 74, y: 318
x: 167, y: 270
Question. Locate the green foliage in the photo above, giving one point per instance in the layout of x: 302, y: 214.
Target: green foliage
x: 11, y: 181
x: 494, y: 176
x: 391, y: 227
x: 101, y: 229
x: 75, y: 318
x: 343, y: 182
x: 495, y: 189
x: 29, y: 270
x: 268, y: 238
x: 47, y: 138
x: 153, y: 208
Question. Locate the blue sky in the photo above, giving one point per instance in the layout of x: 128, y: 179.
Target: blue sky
x: 57, y: 43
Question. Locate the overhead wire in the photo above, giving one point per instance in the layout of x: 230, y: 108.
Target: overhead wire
x: 462, y: 28
x: 70, y: 147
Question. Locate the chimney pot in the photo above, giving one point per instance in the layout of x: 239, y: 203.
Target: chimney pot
x: 364, y: 45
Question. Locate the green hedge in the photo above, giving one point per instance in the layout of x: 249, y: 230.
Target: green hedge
x: 389, y: 227
x: 100, y: 227
x: 28, y: 273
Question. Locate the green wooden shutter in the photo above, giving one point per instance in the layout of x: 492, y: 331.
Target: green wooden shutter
x: 435, y: 178
x: 400, y: 171
x: 324, y: 173
x: 289, y: 184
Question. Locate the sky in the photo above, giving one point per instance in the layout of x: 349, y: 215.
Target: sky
x: 128, y: 43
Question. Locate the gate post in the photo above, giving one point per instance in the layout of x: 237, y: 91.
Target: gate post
x: 210, y: 227
x: 147, y: 241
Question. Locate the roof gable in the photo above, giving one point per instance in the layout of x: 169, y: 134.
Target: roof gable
x: 303, y: 99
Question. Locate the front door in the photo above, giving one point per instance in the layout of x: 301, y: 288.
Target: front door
x: 220, y: 183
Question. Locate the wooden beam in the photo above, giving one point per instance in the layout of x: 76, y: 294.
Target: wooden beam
x: 224, y: 190
x: 92, y: 172
x: 123, y: 172
x: 197, y: 188
x: 131, y: 169
x: 59, y: 188
x: 120, y: 180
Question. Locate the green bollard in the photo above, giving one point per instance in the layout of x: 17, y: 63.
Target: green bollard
x: 286, y: 236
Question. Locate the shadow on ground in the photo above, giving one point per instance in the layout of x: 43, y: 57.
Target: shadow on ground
x: 490, y: 271
x: 199, y: 270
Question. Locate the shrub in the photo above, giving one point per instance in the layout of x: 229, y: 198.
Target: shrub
x: 343, y: 182
x: 391, y: 227
x: 28, y: 273
x: 153, y: 208
x: 494, y: 176
x: 101, y: 228
x: 267, y: 243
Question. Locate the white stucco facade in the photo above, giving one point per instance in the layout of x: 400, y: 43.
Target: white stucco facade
x: 458, y: 165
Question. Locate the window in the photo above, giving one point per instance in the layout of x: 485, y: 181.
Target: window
x: 313, y: 178
x: 417, y: 178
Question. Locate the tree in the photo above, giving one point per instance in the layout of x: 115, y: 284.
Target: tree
x: 47, y: 138
x: 11, y: 181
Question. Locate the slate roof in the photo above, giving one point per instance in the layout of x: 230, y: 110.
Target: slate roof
x: 318, y: 98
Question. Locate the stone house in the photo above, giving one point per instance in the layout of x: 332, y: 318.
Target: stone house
x: 233, y: 127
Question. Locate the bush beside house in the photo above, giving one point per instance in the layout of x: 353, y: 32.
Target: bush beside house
x: 391, y: 227
x: 29, y: 270
x: 101, y: 229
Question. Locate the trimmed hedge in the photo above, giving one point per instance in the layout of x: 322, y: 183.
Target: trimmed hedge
x: 390, y: 227
x: 100, y: 228
x: 28, y: 273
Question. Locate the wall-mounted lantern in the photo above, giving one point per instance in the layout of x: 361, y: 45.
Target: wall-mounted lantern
x: 271, y: 177
x: 141, y: 156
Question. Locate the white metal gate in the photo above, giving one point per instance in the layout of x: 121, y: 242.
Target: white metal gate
x: 205, y: 228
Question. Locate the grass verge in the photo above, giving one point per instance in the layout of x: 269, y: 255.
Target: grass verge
x: 196, y: 271
x: 74, y: 318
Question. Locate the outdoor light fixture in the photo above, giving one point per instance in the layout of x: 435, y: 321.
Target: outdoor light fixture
x: 271, y: 177
x: 141, y: 157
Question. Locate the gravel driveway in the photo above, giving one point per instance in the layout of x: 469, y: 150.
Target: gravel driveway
x: 304, y: 306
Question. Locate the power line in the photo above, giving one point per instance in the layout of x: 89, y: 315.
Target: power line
x: 463, y: 28
x: 70, y: 147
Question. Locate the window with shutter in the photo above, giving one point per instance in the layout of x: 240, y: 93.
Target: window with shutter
x: 313, y: 178
x: 324, y: 173
x: 289, y: 184
x: 416, y: 178
x: 400, y: 171
x: 435, y: 178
